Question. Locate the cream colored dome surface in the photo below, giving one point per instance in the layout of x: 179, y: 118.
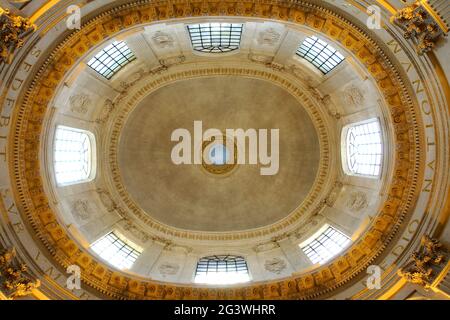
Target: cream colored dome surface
x: 189, y: 197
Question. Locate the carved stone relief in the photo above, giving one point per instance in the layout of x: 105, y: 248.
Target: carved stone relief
x: 172, y: 61
x: 162, y: 39
x: 80, y: 210
x: 168, y: 269
x: 135, y: 231
x: 357, y: 201
x: 334, y: 193
x: 268, y: 37
x: 275, y: 265
x: 106, y: 199
x: 79, y: 103
x: 331, y: 107
x: 353, y: 96
x: 106, y: 110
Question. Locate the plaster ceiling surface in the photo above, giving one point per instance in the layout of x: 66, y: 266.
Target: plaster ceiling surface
x: 187, y: 196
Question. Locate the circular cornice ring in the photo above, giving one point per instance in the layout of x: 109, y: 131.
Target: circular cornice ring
x: 34, y: 204
x: 151, y: 83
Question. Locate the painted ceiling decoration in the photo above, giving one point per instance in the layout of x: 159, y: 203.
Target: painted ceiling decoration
x: 88, y: 186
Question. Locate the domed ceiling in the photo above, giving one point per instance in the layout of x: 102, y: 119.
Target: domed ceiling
x: 124, y: 186
x: 188, y: 196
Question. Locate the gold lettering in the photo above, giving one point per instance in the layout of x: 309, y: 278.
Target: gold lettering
x: 427, y: 110
x: 12, y: 209
x: 49, y: 272
x: 36, y: 52
x: 415, y: 222
x: 397, y: 250
x: 395, y: 45
x: 4, y: 121
x: 27, y: 67
x: 427, y: 187
x: 429, y: 143
x: 431, y: 165
x: 9, y: 102
x: 17, y: 83
x: 37, y: 256
x: 419, y: 87
x: 409, y: 64
x: 18, y: 227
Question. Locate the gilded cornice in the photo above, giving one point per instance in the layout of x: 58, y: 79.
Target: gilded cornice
x: 34, y: 203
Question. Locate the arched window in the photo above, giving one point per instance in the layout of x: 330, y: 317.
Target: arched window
x: 322, y: 55
x: 215, y: 37
x: 116, y: 251
x: 222, y: 269
x: 324, y: 245
x: 72, y: 155
x: 364, y: 149
x: 111, y: 59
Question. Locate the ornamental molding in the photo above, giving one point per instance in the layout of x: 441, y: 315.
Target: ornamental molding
x: 34, y: 203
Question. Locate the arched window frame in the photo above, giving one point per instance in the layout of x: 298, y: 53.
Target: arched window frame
x: 327, y: 243
x: 117, y: 250
x: 320, y: 54
x: 345, y: 150
x: 221, y: 266
x: 92, y: 159
x: 112, y: 58
x: 197, y: 37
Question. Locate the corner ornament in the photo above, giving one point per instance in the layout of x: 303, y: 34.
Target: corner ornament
x: 13, y: 31
x: 426, y: 264
x: 14, y: 281
x: 418, y: 23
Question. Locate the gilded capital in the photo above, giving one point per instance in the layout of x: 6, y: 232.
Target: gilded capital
x: 14, y: 280
x: 426, y: 263
x: 418, y: 24
x: 13, y: 31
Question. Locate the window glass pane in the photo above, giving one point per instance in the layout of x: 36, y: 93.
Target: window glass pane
x: 222, y: 269
x: 320, y: 54
x: 326, y: 246
x: 115, y: 251
x: 72, y: 155
x: 364, y: 148
x: 215, y: 37
x: 111, y: 59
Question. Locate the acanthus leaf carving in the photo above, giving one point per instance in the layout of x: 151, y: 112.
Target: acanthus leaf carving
x: 426, y: 263
x: 418, y: 24
x: 14, y: 278
x: 275, y: 265
x: 13, y: 31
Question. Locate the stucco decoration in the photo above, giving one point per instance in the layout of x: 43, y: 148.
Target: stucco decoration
x: 163, y: 39
x: 268, y: 37
x: 168, y: 269
x: 79, y: 103
x: 353, y: 96
x: 275, y: 265
x: 80, y: 209
x: 357, y: 201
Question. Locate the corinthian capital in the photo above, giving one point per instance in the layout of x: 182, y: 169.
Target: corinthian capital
x: 13, y: 31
